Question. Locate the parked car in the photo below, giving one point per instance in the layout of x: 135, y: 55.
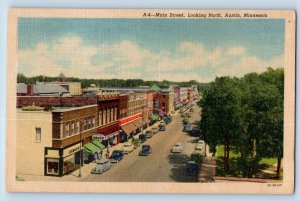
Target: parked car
x: 200, y: 146
x: 177, y: 148
x: 155, y: 130
x: 162, y: 127
x: 143, y: 138
x: 167, y: 120
x: 196, y: 133
x: 191, y: 110
x: 149, y: 134
x: 187, y: 128
x: 192, y: 168
x: 102, y: 165
x: 116, y: 156
x: 136, y: 143
x: 127, y: 147
x: 146, y: 150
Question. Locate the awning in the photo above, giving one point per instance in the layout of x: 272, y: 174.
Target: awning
x: 91, y: 148
x: 152, y: 117
x: 147, y: 121
x: 157, y: 116
x: 98, y: 144
x: 128, y: 128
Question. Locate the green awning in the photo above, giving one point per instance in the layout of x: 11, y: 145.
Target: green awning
x: 152, y: 117
x: 98, y: 144
x: 157, y: 116
x: 91, y: 148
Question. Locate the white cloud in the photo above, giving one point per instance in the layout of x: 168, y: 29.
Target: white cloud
x: 236, y: 51
x: 127, y: 60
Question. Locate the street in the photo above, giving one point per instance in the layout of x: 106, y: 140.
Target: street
x: 161, y: 165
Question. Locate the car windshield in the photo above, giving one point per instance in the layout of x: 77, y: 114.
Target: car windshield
x: 177, y: 145
x: 126, y: 145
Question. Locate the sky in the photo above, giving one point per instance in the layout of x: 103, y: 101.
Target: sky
x: 149, y: 49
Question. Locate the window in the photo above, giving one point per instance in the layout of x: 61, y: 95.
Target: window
x: 72, y: 128
x: 77, y: 127
x: 93, y: 121
x: 38, y: 133
x: 67, y: 129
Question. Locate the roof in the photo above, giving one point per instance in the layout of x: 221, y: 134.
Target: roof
x: 125, y: 89
x: 21, y: 88
x: 155, y: 88
x: 42, y: 88
x: 48, y: 89
x: 61, y: 75
x: 66, y: 109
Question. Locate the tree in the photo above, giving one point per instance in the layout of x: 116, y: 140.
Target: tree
x: 220, y: 118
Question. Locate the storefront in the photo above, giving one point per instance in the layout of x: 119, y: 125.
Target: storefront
x: 131, y: 126
x: 61, y: 161
x: 108, y: 134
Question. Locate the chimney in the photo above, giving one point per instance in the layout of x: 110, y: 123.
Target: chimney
x: 30, y: 90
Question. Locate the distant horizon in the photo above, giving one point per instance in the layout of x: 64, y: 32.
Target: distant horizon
x: 110, y: 79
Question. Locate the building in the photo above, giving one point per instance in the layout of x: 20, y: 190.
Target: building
x: 74, y: 88
x: 54, y: 101
x: 183, y: 95
x: 41, y: 89
x: 109, y: 113
x: 169, y: 92
x: 137, y: 116
x: 55, y: 143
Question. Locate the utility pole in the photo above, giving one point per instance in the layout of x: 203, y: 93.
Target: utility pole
x: 80, y: 153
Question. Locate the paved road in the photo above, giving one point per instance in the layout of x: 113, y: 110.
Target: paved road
x: 160, y: 165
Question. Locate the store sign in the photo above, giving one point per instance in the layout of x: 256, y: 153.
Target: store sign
x: 71, y: 150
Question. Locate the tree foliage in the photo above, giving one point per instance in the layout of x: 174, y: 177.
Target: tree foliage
x: 246, y: 115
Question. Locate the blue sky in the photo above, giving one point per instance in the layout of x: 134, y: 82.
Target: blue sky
x: 151, y: 49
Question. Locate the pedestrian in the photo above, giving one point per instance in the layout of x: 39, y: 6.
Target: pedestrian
x: 96, y: 156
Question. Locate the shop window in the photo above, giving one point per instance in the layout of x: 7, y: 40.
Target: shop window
x: 69, y: 165
x: 38, y: 133
x: 52, y: 166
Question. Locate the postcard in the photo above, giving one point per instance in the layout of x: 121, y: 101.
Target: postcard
x: 150, y: 101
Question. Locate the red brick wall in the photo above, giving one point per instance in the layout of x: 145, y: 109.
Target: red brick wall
x: 55, y: 101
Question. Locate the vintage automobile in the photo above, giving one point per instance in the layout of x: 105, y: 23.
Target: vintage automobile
x: 136, y: 143
x: 146, y: 150
x: 162, y: 127
x: 127, y: 147
x: 200, y: 146
x: 177, y: 148
x: 149, y: 134
x: 195, y: 133
x: 143, y: 138
x: 155, y: 130
x: 116, y: 156
x: 187, y: 128
x: 192, y: 168
x: 102, y: 165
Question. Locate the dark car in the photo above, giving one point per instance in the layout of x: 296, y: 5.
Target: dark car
x: 161, y: 127
x: 116, y: 156
x: 192, y: 168
x: 146, y: 150
x: 143, y: 138
x: 196, y: 133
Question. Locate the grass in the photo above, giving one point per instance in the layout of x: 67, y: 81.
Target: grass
x: 235, y: 169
